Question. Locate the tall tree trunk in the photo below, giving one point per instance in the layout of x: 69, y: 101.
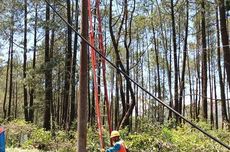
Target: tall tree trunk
x: 168, y: 63
x: 16, y: 100
x: 157, y: 63
x: 204, y: 64
x: 197, y: 88
x: 74, y: 81
x: 149, y: 81
x: 182, y: 83
x: 51, y: 77
x: 26, y: 106
x: 7, y: 77
x: 68, y: 60
x: 127, y: 43
x: 117, y: 97
x: 225, y: 43
x: 118, y: 60
x: 216, y: 106
x: 122, y: 95
x: 58, y: 110
x: 175, y: 62
x: 198, y: 80
x: 82, y: 103
x: 13, y: 101
x: 142, y: 92
x: 126, y: 123
x: 158, y: 83
x: 112, y: 97
x: 136, y: 76
x: 11, y: 67
x: 211, y: 69
x: 31, y: 110
x: 48, y: 74
x: 191, y: 90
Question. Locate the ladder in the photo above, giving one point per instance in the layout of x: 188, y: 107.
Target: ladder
x: 95, y: 69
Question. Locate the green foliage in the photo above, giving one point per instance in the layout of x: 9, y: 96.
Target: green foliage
x: 166, y: 134
x: 154, y: 137
x: 65, y: 141
x: 140, y: 142
x: 28, y: 136
x: 17, y: 132
x: 186, y: 138
x: 150, y: 137
x: 93, y: 143
x: 39, y: 138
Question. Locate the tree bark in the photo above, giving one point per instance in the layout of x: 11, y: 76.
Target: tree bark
x: 16, y: 100
x: 175, y: 62
x: 31, y: 110
x: 74, y: 81
x: 68, y: 60
x: 158, y: 64
x: 182, y: 83
x: 11, y: 70
x: 211, y: 69
x: 82, y: 104
x: 204, y: 64
x: 136, y: 76
x: 118, y: 60
x: 117, y: 97
x: 191, y: 89
x: 168, y: 63
x: 6, y: 85
x: 51, y: 76
x: 26, y: 106
x: 225, y: 43
x: 48, y: 74
x: 127, y: 43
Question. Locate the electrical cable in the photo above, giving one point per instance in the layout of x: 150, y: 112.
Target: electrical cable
x: 157, y: 99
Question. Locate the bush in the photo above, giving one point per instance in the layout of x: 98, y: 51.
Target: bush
x: 149, y: 138
x: 188, y: 139
x: 93, y: 141
x: 140, y: 142
x: 17, y: 132
x: 20, y: 133
x: 39, y: 139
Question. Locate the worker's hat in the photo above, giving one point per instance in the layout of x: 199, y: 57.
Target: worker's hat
x: 114, y: 133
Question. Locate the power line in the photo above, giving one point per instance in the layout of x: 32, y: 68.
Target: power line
x: 157, y: 99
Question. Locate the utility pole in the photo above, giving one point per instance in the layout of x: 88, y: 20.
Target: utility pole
x: 82, y: 102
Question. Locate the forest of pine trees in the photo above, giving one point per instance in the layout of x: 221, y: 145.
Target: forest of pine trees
x: 178, y: 50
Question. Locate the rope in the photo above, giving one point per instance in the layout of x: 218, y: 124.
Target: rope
x: 157, y: 99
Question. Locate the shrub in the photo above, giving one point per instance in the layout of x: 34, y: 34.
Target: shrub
x: 39, y: 139
x: 140, y: 142
x: 188, y: 139
x: 93, y: 142
x: 149, y: 138
x: 17, y: 132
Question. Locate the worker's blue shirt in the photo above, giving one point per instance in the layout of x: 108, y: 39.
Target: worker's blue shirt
x: 115, y: 148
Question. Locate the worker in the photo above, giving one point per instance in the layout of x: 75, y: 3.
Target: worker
x: 2, y: 139
x: 118, y: 143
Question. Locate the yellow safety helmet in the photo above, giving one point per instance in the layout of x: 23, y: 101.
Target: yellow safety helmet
x: 114, y: 134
